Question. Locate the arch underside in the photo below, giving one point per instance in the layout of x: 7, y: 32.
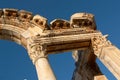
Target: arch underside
x: 9, y: 32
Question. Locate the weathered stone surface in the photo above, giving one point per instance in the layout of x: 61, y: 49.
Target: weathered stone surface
x: 44, y: 70
x: 10, y: 13
x: 60, y: 24
x: 79, y: 33
x: 100, y: 77
x: 25, y: 16
x: 40, y: 21
x: 16, y: 40
x: 86, y: 67
x: 107, y: 53
x: 83, y: 20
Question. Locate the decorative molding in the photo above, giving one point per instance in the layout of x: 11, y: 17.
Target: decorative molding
x: 79, y: 33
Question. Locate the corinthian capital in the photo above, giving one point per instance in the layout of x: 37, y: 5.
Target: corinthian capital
x: 99, y: 42
x: 35, y: 51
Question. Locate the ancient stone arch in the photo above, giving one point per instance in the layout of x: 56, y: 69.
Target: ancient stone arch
x: 78, y: 35
x: 22, y: 27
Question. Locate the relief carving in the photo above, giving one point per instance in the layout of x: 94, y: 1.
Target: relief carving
x: 25, y: 15
x: 99, y: 42
x: 10, y: 16
x: 24, y: 18
x: 10, y: 13
x: 36, y: 51
x: 86, y: 20
x: 21, y: 19
x: 40, y: 21
x: 60, y: 24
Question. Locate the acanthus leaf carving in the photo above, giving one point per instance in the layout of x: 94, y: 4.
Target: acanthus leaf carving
x: 36, y: 50
x: 99, y: 42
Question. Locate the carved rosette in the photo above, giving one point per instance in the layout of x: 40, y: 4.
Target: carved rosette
x: 35, y: 50
x: 98, y: 43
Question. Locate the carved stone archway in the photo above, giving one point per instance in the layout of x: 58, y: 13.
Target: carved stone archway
x: 78, y: 35
x: 22, y: 27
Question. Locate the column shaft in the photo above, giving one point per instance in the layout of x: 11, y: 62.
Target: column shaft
x: 110, y: 57
x: 44, y: 70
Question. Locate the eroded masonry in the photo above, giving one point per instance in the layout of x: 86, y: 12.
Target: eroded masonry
x: 78, y: 35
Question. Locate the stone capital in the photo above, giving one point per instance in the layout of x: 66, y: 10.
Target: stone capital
x: 98, y: 43
x: 36, y: 50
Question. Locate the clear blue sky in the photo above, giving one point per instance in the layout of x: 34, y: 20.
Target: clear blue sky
x: 14, y: 61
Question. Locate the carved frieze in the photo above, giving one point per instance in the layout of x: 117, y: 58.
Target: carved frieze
x: 79, y: 20
x: 60, y: 24
x: 10, y: 16
x: 10, y: 13
x: 40, y: 22
x: 25, y: 15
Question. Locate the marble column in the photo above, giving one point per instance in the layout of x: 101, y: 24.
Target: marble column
x: 108, y: 54
x: 44, y: 70
x: 39, y: 58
